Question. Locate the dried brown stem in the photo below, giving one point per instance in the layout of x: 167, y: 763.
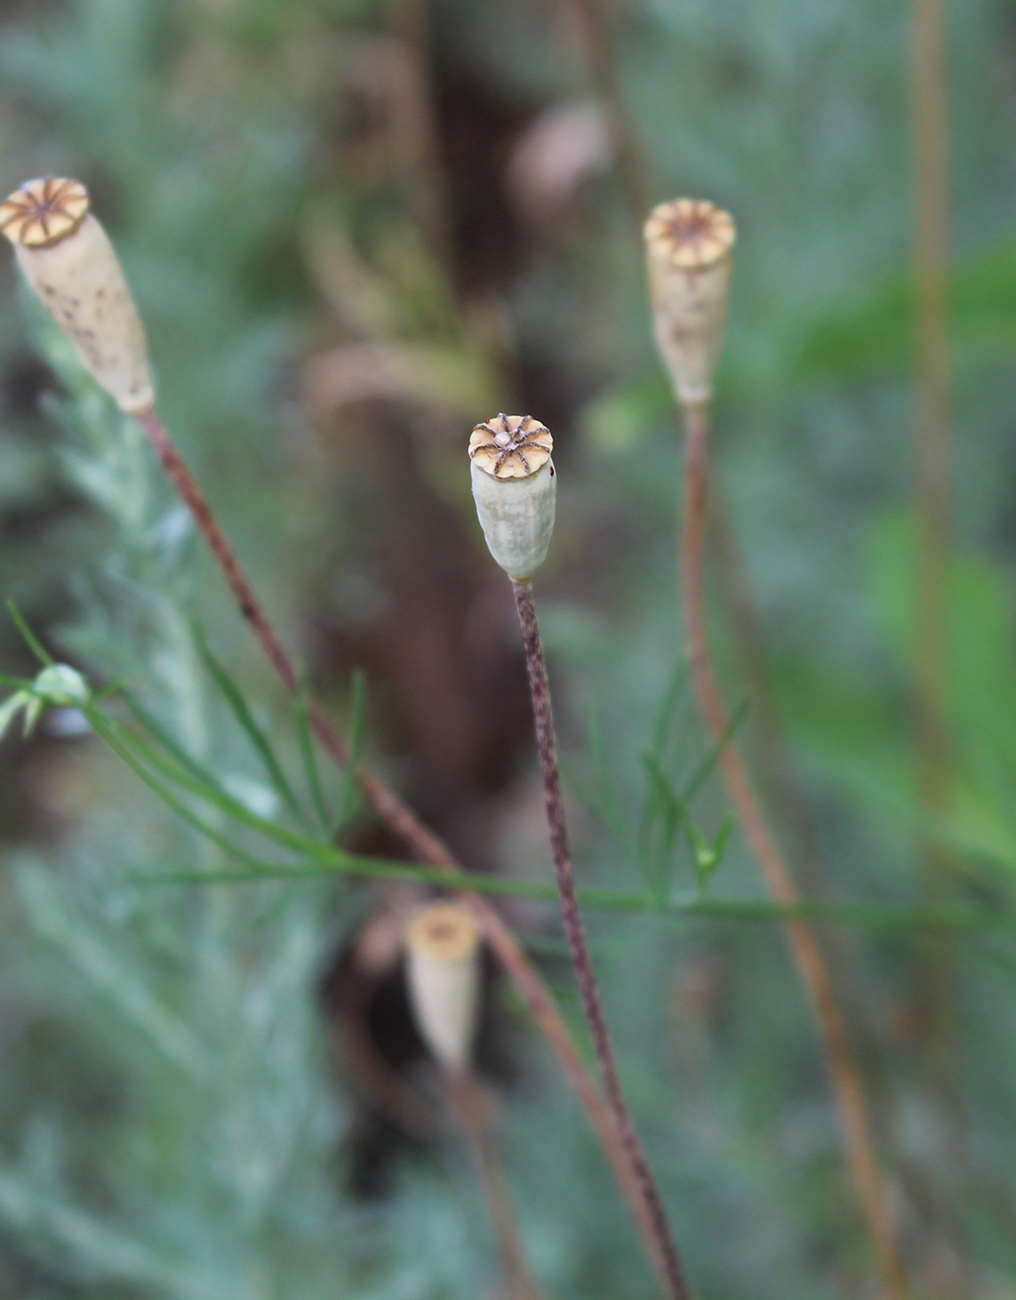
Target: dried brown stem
x: 932, y: 474
x: 472, y: 1110
x: 653, y: 1217
x: 854, y: 1121
x: 932, y: 457
x: 632, y: 165
x: 428, y: 191
x: 404, y: 822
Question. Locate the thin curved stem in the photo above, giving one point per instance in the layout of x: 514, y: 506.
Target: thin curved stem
x: 630, y: 158
x: 472, y: 1109
x: 664, y: 1251
x: 404, y: 822
x: 854, y: 1120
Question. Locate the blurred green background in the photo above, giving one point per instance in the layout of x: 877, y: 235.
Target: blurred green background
x: 353, y: 230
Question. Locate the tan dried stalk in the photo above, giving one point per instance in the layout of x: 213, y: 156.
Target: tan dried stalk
x: 689, y: 245
x: 854, y: 1122
x: 598, y: 46
x: 937, y: 975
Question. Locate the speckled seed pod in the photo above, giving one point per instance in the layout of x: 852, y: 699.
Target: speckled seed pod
x: 515, y: 489
x: 443, y: 973
x: 69, y: 262
x: 689, y: 242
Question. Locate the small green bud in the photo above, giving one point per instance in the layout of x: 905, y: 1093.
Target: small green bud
x: 515, y: 490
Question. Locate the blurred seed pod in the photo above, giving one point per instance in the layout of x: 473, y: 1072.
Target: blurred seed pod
x: 688, y: 243
x: 443, y: 973
x: 68, y: 260
x: 515, y: 490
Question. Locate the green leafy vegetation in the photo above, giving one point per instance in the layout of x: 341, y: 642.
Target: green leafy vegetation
x: 347, y: 248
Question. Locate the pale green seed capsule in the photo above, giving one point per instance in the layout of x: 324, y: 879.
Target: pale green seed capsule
x: 68, y: 260
x: 515, y: 490
x: 689, y: 242
x: 443, y: 973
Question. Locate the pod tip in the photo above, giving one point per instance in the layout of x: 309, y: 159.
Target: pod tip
x: 692, y: 234
x: 42, y: 212
x: 510, y: 446
x: 443, y: 932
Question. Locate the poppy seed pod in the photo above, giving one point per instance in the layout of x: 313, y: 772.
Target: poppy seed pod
x: 68, y: 260
x: 443, y: 973
x: 688, y: 243
x: 515, y: 489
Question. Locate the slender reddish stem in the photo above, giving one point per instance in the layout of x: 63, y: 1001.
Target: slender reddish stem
x: 854, y: 1121
x: 473, y: 1110
x: 418, y: 837
x: 665, y: 1254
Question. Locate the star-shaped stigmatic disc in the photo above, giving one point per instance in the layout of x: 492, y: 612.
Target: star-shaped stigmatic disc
x: 692, y: 233
x: 43, y: 212
x: 510, y: 446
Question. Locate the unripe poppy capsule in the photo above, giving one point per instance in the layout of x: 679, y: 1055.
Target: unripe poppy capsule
x: 68, y: 260
x: 515, y: 490
x: 688, y: 243
x: 443, y: 974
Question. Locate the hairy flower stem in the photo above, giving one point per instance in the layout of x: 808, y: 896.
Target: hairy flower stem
x: 854, y: 1120
x: 652, y: 1219
x: 404, y: 822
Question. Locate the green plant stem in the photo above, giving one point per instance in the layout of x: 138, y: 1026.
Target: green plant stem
x: 956, y: 918
x: 853, y: 1113
x: 652, y: 1217
x: 390, y: 808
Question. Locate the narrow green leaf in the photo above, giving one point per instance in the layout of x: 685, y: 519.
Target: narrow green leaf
x: 349, y: 800
x: 665, y: 811
x: 241, y: 711
x: 169, y: 742
x: 311, y: 771
x: 598, y: 803
x: 168, y: 797
x: 665, y: 714
x: 226, y: 803
x: 705, y: 767
x: 29, y: 637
